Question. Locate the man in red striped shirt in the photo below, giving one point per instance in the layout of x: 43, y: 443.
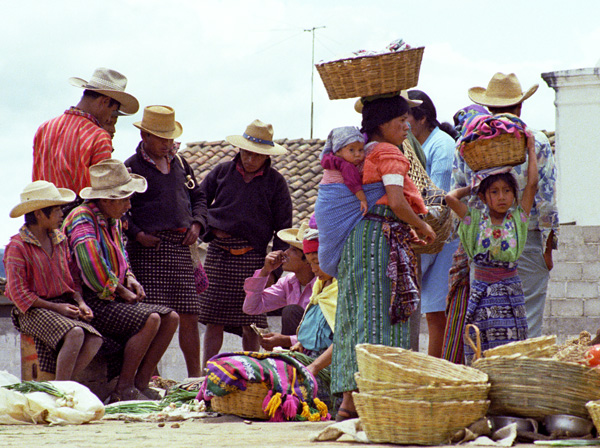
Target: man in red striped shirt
x: 66, y: 146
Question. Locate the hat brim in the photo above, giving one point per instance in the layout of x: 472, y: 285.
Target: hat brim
x: 479, y: 95
x: 290, y: 236
x: 137, y: 184
x: 129, y: 103
x: 359, y: 104
x: 168, y: 135
x: 23, y: 208
x: 259, y: 148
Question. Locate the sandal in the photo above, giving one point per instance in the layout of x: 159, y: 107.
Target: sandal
x: 151, y: 394
x: 129, y: 394
x: 349, y: 415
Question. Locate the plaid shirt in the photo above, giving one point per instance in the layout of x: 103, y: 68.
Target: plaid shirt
x: 66, y: 146
x: 32, y: 274
x: 544, y: 213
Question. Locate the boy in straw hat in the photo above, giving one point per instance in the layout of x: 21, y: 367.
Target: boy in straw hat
x: 163, y: 222
x: 110, y: 288
x: 248, y: 203
x: 505, y: 95
x: 48, y: 302
x: 66, y: 146
x: 291, y: 293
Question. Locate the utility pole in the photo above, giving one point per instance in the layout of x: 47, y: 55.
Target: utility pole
x: 312, y: 78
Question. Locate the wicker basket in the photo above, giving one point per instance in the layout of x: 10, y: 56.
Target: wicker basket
x: 463, y: 392
x: 530, y: 387
x: 371, y: 75
x: 244, y: 403
x: 396, y: 365
x: 506, y: 149
x: 593, y: 408
x: 440, y: 217
x: 387, y: 420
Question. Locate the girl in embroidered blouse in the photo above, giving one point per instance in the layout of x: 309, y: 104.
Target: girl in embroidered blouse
x: 494, y: 240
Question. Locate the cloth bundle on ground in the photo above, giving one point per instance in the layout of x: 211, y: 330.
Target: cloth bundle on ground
x: 482, y: 126
x: 292, y: 388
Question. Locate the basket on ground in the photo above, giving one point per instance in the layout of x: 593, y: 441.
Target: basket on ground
x: 505, y: 149
x: 372, y: 74
x: 389, y: 420
x: 537, y: 387
x: 540, y: 347
x: 593, y: 408
x: 397, y: 365
x: 247, y: 403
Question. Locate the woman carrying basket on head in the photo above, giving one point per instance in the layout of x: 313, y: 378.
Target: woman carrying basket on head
x: 376, y: 273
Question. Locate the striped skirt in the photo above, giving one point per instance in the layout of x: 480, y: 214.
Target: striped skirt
x: 221, y: 303
x: 166, y: 273
x: 364, y: 293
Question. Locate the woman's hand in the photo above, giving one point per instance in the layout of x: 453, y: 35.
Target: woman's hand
x: 297, y: 347
x: 125, y: 294
x: 85, y: 312
x: 67, y: 310
x: 147, y: 240
x: 271, y: 340
x: 426, y: 232
x: 192, y: 234
x: 136, y: 287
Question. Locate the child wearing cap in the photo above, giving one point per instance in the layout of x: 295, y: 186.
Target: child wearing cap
x: 48, y: 302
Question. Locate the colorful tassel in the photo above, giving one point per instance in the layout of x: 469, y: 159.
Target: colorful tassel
x: 266, y: 401
x: 305, y: 410
x: 321, y: 407
x: 290, y: 406
x: 273, y: 405
x: 278, y: 416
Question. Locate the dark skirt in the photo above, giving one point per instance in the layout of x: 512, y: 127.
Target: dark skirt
x: 221, y: 303
x: 166, y: 273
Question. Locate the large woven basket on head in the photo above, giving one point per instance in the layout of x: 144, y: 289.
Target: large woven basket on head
x: 371, y: 75
x: 244, y: 403
x: 506, y: 149
x: 537, y: 387
x: 396, y: 365
x: 403, y: 391
x: 389, y: 420
x: 440, y: 216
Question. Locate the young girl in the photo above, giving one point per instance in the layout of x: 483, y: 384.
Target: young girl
x: 344, y: 152
x: 494, y: 240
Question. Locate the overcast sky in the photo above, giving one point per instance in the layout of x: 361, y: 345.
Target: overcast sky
x: 221, y: 64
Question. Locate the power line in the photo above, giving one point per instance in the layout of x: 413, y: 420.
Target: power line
x: 312, y: 78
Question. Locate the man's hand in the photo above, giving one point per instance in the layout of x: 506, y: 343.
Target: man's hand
x: 272, y: 340
x: 67, y: 310
x: 272, y: 261
x: 85, y: 312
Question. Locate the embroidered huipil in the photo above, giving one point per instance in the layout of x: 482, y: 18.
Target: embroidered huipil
x: 98, y: 248
x: 66, y: 146
x: 32, y: 274
x: 544, y: 213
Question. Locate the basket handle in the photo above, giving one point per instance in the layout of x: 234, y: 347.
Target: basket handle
x: 468, y: 340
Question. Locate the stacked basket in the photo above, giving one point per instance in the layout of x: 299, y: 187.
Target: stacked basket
x: 411, y: 398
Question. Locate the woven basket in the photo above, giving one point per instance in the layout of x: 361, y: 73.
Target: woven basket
x: 440, y: 216
x: 530, y: 387
x: 593, y: 408
x: 396, y: 365
x: 387, y: 420
x: 244, y: 403
x: 506, y: 149
x: 463, y: 392
x: 371, y: 75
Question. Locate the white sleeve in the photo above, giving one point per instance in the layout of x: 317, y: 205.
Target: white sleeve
x: 393, y: 179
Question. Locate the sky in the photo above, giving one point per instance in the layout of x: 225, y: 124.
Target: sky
x: 221, y: 64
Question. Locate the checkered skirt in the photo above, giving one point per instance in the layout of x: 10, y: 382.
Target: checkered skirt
x: 166, y: 273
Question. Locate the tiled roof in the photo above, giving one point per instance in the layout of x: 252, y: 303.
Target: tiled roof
x: 300, y: 167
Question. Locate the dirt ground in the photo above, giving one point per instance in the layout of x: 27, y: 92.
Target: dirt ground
x: 226, y: 431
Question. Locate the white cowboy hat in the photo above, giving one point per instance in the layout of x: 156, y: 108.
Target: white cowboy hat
x: 110, y: 179
x: 294, y: 236
x: 258, y: 138
x: 111, y: 84
x: 358, y: 106
x: 40, y: 194
x: 502, y: 91
x: 160, y: 121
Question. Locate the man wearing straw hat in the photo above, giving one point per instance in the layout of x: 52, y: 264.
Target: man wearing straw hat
x: 505, y: 95
x: 248, y: 203
x: 66, y: 146
x: 163, y: 222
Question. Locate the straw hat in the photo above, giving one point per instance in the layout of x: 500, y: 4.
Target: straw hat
x: 160, y: 121
x: 112, y: 84
x: 502, y: 91
x: 258, y: 138
x: 294, y: 236
x: 110, y: 179
x: 40, y: 194
x: 358, y: 106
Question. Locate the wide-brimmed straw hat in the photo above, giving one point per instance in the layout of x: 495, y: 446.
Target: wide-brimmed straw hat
x: 40, y: 194
x: 294, y: 236
x: 502, y: 91
x: 111, y: 84
x: 160, y: 121
x: 359, y: 104
x: 111, y: 180
x: 258, y: 138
